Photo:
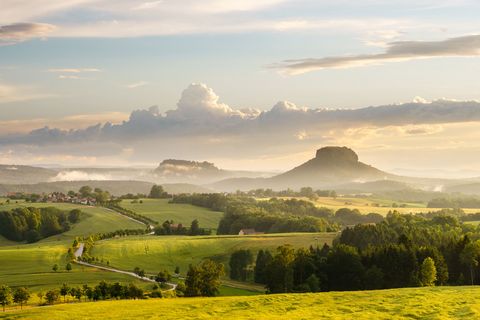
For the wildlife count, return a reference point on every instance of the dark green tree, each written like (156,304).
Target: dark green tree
(64,291)
(21,296)
(5,296)
(51,296)
(239,262)
(279,272)
(262,261)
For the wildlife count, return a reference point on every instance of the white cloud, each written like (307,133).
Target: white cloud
(137,84)
(201,126)
(465,46)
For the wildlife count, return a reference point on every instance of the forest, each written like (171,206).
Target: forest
(34,224)
(401,251)
(275,215)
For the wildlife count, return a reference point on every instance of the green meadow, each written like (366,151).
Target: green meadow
(154,253)
(409,303)
(160,210)
(96,219)
(30,265)
(380,206)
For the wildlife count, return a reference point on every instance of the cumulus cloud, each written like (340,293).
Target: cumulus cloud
(466,46)
(18,32)
(199,112)
(202,125)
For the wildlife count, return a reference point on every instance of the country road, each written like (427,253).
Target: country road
(128,273)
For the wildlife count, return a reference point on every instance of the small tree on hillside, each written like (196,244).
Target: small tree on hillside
(5,296)
(68,267)
(21,296)
(85,191)
(64,291)
(428,272)
(157,192)
(51,296)
(55,267)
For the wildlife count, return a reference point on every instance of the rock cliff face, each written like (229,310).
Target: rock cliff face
(184,171)
(330,165)
(335,154)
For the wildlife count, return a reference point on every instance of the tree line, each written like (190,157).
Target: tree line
(455,202)
(171,228)
(402,251)
(275,215)
(33,224)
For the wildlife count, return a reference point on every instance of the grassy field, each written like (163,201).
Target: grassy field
(154,253)
(160,210)
(381,206)
(409,303)
(31,265)
(97,220)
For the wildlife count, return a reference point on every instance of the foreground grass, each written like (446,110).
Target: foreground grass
(409,303)
(161,210)
(154,253)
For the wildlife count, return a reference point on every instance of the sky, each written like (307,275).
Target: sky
(253,85)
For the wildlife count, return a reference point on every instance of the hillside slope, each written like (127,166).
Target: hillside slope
(409,303)
(331,166)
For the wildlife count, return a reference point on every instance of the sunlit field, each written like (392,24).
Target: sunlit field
(409,303)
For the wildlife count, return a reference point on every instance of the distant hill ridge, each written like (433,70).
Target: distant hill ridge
(331,166)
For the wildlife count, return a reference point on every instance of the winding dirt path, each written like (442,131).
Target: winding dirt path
(79,252)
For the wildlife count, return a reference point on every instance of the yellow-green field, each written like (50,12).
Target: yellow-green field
(380,206)
(30,265)
(409,303)
(154,253)
(160,210)
(97,219)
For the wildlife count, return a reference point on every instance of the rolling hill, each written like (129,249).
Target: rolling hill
(332,166)
(408,303)
(116,188)
(13,174)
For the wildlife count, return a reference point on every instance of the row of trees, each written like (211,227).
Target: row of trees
(33,224)
(275,215)
(307,192)
(170,228)
(19,296)
(455,202)
(101,291)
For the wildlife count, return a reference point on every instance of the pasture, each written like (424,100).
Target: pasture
(30,265)
(96,220)
(407,303)
(154,253)
(160,210)
(380,206)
